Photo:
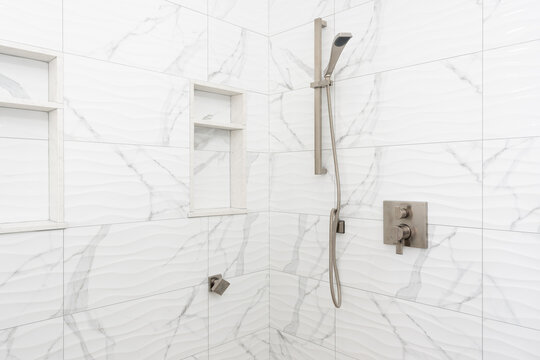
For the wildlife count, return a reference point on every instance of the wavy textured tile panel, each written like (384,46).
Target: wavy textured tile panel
(257,181)
(295,188)
(508,342)
(287,347)
(22,78)
(37,341)
(302,307)
(254,347)
(376,327)
(119,183)
(299,244)
(510,21)
(114,103)
(197,5)
(23,124)
(434,102)
(511,277)
(252,15)
(30,277)
(155,35)
(389,34)
(511,186)
(238,244)
(256,122)
(241,311)
(112,263)
(448,176)
(30,22)
(511,91)
(167,326)
(237,57)
(448,274)
(286,14)
(24,184)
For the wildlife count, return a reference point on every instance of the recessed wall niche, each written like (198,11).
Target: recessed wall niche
(31,139)
(218,183)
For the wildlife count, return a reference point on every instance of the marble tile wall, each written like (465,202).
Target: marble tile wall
(434,101)
(128,278)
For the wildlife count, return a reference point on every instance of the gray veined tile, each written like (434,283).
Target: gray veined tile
(389,34)
(107,183)
(242,310)
(155,35)
(211,179)
(511,277)
(252,15)
(210,139)
(448,274)
(511,187)
(286,347)
(394,329)
(24,124)
(114,103)
(448,176)
(299,244)
(508,342)
(112,263)
(257,181)
(434,102)
(302,307)
(22,78)
(238,57)
(286,14)
(167,326)
(38,341)
(30,279)
(256,122)
(238,244)
(197,5)
(508,22)
(253,346)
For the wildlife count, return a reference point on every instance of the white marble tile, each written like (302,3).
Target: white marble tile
(375,327)
(242,310)
(156,35)
(198,5)
(238,244)
(434,102)
(211,107)
(120,104)
(24,124)
(237,57)
(511,186)
(302,307)
(201,356)
(446,175)
(256,122)
(212,139)
(288,14)
(211,180)
(107,183)
(510,21)
(389,34)
(253,346)
(299,244)
(252,15)
(291,121)
(257,181)
(448,274)
(30,277)
(167,326)
(511,277)
(511,83)
(37,341)
(37,23)
(24,184)
(508,342)
(295,188)
(113,263)
(342,5)
(22,78)
(287,347)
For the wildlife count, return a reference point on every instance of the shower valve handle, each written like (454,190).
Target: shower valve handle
(401,233)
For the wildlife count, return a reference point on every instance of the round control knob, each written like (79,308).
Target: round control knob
(401,212)
(401,232)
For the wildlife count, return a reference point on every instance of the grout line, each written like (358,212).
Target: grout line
(482,194)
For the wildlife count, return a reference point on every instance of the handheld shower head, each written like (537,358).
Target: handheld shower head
(338,44)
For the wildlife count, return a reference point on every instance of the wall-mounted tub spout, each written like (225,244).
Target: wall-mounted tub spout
(217,284)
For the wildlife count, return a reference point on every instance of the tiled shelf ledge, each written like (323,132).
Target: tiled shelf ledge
(23,104)
(8,228)
(215,125)
(217,212)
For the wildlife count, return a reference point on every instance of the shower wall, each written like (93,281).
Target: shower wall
(128,278)
(435,101)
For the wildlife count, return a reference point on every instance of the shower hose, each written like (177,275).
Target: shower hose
(333,271)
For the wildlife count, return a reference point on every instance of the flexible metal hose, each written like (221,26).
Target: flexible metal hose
(333,271)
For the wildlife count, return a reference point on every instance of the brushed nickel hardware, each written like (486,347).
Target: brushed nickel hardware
(336,225)
(217,284)
(405,224)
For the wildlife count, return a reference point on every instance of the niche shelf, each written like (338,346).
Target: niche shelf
(217,150)
(52,105)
